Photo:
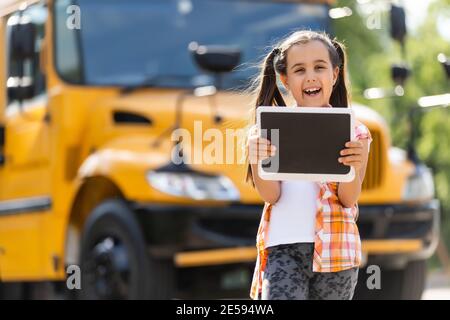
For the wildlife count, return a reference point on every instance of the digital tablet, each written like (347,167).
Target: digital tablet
(308,141)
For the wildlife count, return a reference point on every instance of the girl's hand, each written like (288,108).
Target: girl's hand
(258,147)
(353,155)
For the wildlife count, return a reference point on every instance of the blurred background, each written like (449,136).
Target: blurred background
(424,52)
(97,197)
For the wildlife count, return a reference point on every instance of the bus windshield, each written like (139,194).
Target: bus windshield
(123,43)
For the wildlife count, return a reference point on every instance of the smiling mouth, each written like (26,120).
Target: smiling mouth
(312,92)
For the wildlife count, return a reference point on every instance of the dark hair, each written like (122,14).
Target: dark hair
(265,86)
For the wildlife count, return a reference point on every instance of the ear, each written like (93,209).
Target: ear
(335,75)
(284,80)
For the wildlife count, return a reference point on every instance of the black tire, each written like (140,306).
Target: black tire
(403,284)
(414,280)
(13,291)
(114,260)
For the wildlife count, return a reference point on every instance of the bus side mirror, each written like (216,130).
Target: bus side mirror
(22,38)
(398,23)
(22,47)
(20,88)
(215,58)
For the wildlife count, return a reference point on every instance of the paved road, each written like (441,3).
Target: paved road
(438,287)
(436,294)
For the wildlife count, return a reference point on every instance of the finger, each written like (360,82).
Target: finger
(354,144)
(263,149)
(256,144)
(254,160)
(258,141)
(264,141)
(355,164)
(350,158)
(351,151)
(260,153)
(267,147)
(260,147)
(344,162)
(266,153)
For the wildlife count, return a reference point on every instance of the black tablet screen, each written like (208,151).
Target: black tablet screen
(308,142)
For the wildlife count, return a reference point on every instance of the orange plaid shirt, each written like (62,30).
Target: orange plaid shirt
(337,245)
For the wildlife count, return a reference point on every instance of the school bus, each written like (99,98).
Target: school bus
(91,92)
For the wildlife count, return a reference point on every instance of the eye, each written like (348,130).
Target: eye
(300,70)
(320,67)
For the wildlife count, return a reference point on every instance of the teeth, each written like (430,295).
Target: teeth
(312,90)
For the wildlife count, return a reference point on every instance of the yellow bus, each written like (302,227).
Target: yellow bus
(91,91)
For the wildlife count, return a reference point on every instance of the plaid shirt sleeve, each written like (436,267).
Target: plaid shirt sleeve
(362,132)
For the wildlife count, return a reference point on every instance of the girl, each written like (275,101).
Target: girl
(308,242)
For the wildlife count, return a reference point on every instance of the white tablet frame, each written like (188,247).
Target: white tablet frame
(307,176)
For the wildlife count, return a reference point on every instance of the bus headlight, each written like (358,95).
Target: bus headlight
(420,186)
(193,185)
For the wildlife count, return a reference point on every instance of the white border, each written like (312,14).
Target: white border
(307,176)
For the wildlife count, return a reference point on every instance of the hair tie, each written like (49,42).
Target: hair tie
(276,51)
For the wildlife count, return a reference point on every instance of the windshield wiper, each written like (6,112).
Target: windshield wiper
(185,81)
(155,80)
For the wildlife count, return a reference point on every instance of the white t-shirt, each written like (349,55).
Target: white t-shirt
(293,216)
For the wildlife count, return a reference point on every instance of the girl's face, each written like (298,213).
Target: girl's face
(310,75)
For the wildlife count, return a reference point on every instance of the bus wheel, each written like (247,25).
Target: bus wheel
(114,260)
(13,291)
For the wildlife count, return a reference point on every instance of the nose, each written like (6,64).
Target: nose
(310,77)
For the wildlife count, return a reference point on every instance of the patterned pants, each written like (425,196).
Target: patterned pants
(289,276)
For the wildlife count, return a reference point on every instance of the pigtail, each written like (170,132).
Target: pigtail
(340,96)
(268,91)
(267,94)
